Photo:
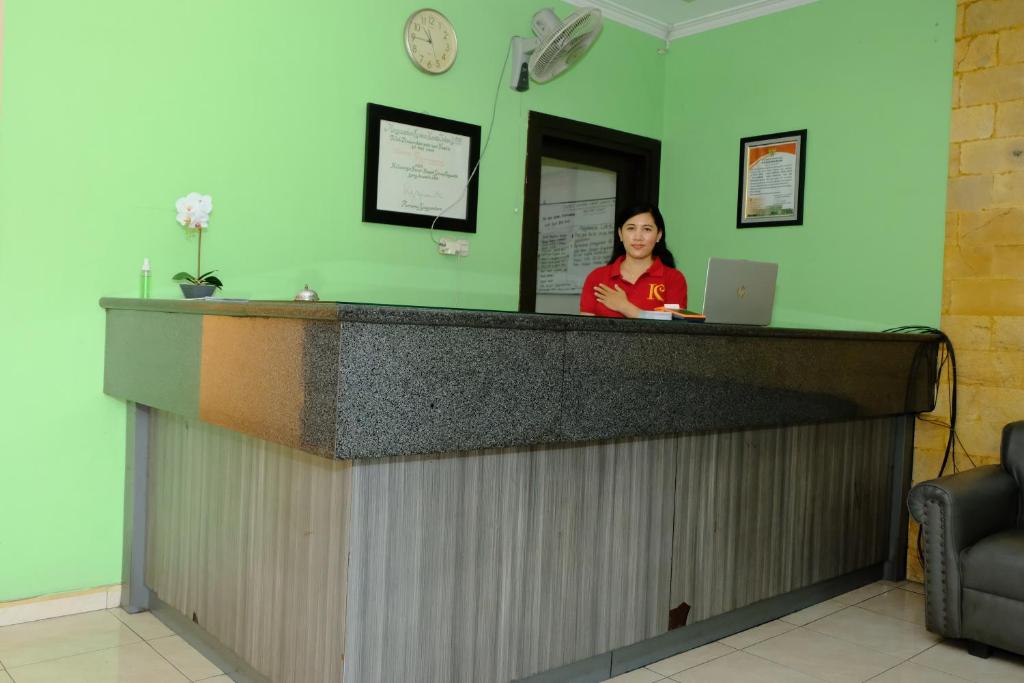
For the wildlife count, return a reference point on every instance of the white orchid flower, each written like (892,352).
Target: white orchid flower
(194,210)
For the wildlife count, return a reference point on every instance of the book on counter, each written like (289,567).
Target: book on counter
(657,314)
(677,313)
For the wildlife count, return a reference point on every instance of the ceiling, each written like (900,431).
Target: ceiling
(671,19)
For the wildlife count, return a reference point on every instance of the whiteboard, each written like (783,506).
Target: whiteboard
(422,171)
(576,226)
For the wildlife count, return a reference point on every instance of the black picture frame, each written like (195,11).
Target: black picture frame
(791,211)
(375,114)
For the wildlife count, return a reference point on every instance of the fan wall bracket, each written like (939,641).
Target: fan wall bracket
(522,48)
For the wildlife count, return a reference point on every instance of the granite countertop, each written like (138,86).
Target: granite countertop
(360,380)
(459,317)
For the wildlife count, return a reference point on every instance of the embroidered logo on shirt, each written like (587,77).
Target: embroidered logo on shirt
(656,293)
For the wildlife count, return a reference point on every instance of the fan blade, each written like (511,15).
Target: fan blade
(566,46)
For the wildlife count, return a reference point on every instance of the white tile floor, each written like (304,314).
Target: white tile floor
(873,633)
(106,646)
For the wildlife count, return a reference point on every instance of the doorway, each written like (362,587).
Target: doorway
(578,177)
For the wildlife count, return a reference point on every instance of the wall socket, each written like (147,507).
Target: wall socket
(452,247)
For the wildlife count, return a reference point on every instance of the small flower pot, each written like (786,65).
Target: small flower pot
(197,291)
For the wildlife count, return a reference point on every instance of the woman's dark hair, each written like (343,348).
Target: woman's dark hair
(660,249)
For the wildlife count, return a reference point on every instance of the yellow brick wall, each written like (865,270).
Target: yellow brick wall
(983,274)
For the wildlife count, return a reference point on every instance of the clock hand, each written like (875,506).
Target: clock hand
(430,40)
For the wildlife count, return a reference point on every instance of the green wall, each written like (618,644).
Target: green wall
(870,81)
(114,109)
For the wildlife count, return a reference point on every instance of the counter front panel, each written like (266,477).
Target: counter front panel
(350,381)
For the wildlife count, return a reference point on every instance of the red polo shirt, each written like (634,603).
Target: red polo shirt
(659,285)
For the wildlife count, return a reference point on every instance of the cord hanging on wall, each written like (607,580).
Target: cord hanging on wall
(947,362)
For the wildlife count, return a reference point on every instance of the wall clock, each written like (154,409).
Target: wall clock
(430,41)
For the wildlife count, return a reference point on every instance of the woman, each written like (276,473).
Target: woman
(641,274)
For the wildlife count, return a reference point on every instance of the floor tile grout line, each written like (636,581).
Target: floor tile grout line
(866,647)
(933,668)
(55,616)
(169,633)
(77,654)
(144,638)
(851,642)
(714,642)
(7,669)
(765,659)
(888,589)
(104,649)
(876,595)
(906,621)
(857,605)
(881,673)
(875,649)
(167,659)
(842,640)
(890,615)
(62,616)
(907,660)
(824,616)
(880,614)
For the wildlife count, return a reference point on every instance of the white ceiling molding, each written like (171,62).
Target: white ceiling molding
(753,10)
(628,17)
(621,13)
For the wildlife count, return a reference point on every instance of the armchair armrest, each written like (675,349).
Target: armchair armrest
(956,512)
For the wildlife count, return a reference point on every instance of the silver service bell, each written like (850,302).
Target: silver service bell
(307,294)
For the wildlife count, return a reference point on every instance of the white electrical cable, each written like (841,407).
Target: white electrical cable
(487,141)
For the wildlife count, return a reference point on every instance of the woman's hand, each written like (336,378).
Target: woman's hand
(616,300)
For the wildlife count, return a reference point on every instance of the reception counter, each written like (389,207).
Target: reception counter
(329,492)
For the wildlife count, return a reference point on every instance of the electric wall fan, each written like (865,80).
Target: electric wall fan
(558,45)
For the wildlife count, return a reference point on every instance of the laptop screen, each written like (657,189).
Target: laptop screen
(740,292)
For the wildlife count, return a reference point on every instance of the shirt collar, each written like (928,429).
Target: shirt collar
(656,269)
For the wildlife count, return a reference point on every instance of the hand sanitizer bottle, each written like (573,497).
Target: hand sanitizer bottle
(144,280)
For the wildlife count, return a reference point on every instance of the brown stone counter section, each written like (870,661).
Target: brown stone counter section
(250,377)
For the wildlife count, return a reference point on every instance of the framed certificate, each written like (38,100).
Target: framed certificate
(772,180)
(419,170)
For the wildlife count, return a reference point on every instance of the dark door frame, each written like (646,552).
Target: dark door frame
(553,136)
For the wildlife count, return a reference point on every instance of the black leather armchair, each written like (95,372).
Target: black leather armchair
(973,535)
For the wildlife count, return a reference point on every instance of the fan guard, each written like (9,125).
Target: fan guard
(566,45)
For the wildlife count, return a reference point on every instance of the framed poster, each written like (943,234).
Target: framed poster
(772,180)
(420,168)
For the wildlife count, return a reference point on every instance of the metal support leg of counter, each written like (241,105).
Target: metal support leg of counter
(533,563)
(134,594)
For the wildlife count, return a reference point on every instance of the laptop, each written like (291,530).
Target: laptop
(740,292)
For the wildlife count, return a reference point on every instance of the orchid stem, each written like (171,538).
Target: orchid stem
(199,254)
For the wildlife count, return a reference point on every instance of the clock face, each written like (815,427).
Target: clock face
(430,41)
